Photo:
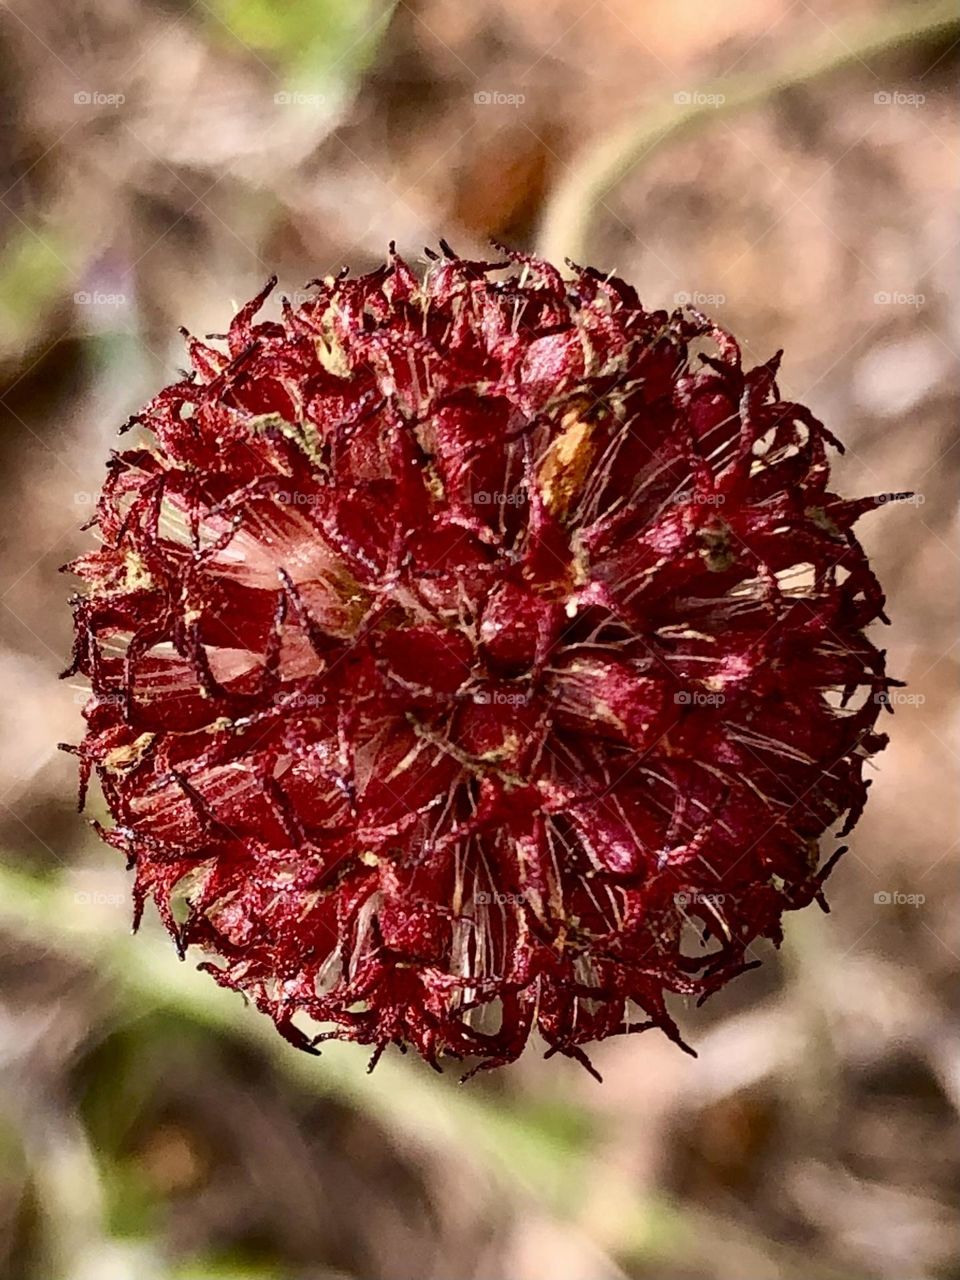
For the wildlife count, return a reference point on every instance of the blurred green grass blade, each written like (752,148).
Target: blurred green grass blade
(132,1208)
(33,272)
(227,1267)
(329,40)
(541,1149)
(542,1153)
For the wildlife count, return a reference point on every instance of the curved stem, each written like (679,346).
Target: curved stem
(589,179)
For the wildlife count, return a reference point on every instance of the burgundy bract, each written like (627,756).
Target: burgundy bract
(476,655)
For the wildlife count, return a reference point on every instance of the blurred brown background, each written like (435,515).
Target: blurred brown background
(789,167)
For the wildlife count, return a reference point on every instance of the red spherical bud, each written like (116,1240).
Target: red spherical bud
(459,642)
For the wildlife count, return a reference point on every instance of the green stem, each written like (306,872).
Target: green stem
(590,179)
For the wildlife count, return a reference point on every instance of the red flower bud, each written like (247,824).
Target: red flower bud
(458,643)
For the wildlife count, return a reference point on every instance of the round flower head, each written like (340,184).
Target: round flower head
(474,656)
